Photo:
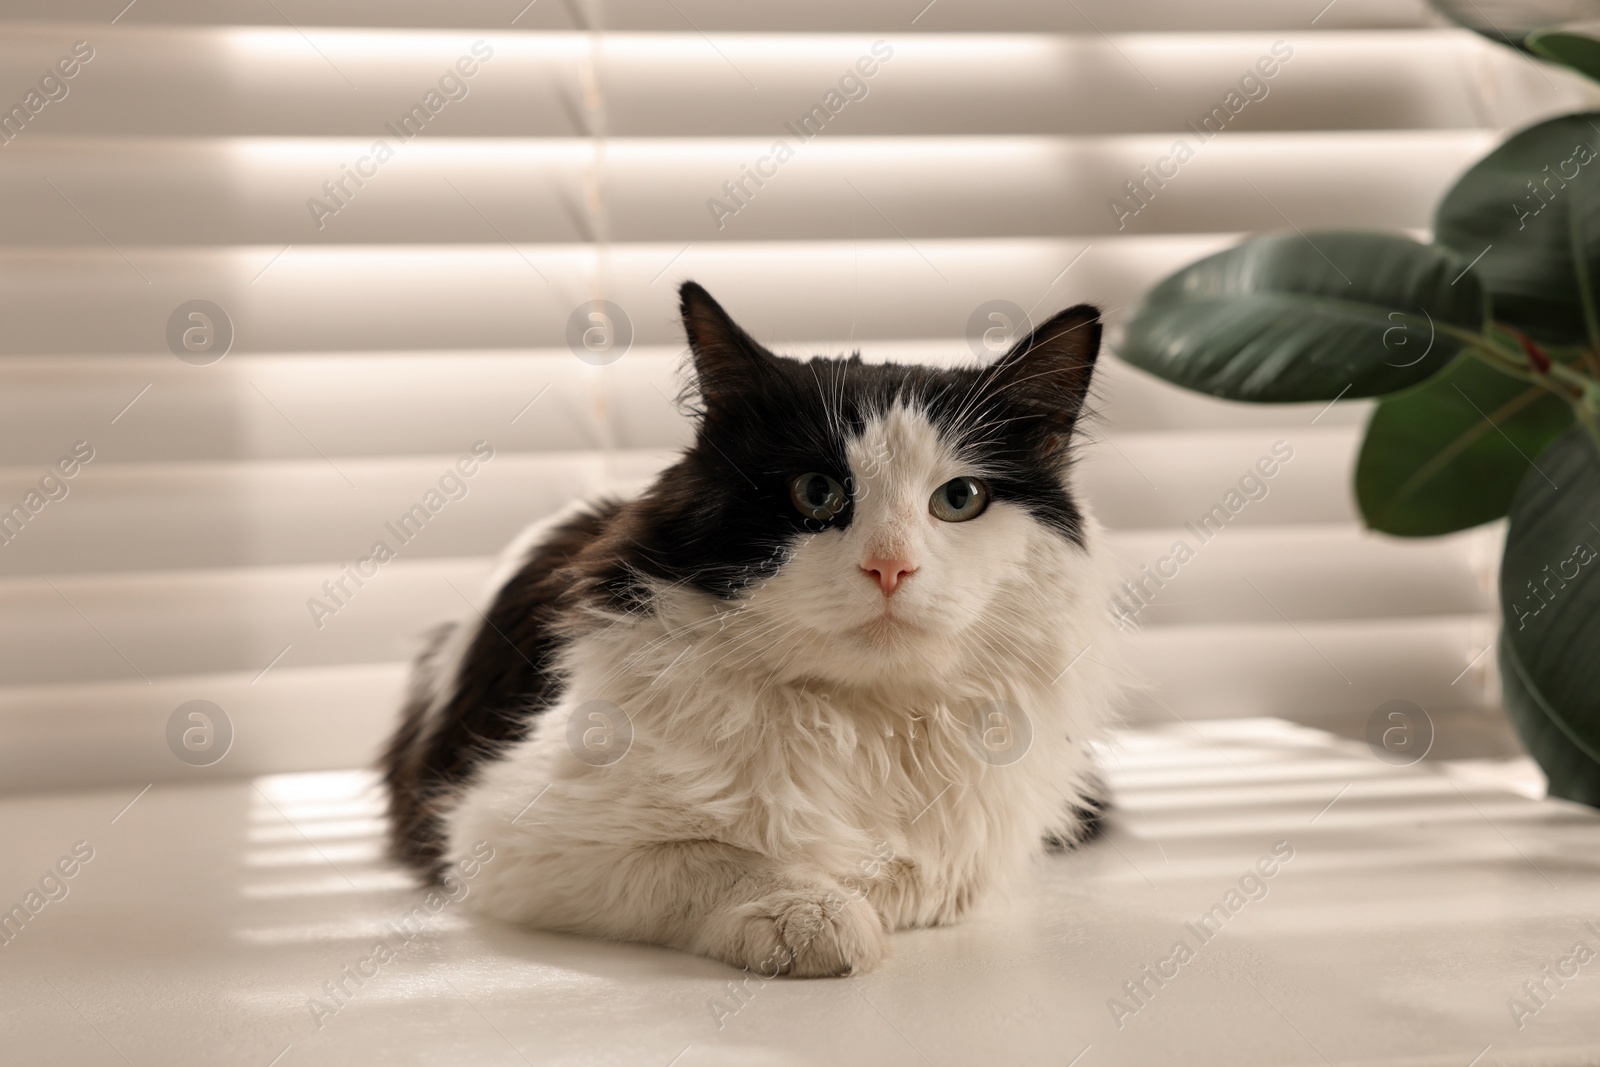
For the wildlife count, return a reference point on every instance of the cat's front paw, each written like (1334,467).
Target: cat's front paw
(806,933)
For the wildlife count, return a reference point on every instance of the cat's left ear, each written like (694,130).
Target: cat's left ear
(727,361)
(1050,369)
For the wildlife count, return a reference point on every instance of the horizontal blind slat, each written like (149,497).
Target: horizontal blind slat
(255,191)
(278,82)
(253,408)
(1033,16)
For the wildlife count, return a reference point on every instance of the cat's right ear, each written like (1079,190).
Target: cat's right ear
(727,361)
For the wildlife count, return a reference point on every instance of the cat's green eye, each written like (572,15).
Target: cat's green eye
(817,496)
(959,499)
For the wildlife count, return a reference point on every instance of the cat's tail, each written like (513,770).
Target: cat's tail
(1085,818)
(411,803)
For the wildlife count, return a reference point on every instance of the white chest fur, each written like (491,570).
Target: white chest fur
(923,789)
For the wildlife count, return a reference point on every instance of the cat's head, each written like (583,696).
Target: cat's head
(877,511)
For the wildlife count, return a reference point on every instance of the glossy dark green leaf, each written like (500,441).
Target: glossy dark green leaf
(1550,587)
(1572,773)
(1578,51)
(1529,213)
(1450,453)
(1509,21)
(1290,317)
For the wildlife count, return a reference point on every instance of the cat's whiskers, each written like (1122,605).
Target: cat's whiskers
(641,654)
(745,645)
(830,407)
(996,634)
(655,601)
(734,645)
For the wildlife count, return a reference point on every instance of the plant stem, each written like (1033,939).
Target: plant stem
(1485,349)
(1582,391)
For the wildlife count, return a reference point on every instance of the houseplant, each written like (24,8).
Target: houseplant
(1483,349)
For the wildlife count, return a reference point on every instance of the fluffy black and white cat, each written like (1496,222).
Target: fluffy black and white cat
(834,674)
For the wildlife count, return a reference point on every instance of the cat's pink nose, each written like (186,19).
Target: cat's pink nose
(889,573)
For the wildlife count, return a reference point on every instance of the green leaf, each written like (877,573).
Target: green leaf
(1531,210)
(1550,588)
(1569,48)
(1290,317)
(1449,454)
(1571,772)
(1510,21)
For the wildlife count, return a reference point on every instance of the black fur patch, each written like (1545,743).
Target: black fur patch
(505,679)
(1085,817)
(1088,821)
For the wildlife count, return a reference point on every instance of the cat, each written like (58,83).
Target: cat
(835,673)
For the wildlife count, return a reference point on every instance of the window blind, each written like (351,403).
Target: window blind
(287,282)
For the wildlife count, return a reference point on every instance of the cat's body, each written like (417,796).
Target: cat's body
(784,701)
